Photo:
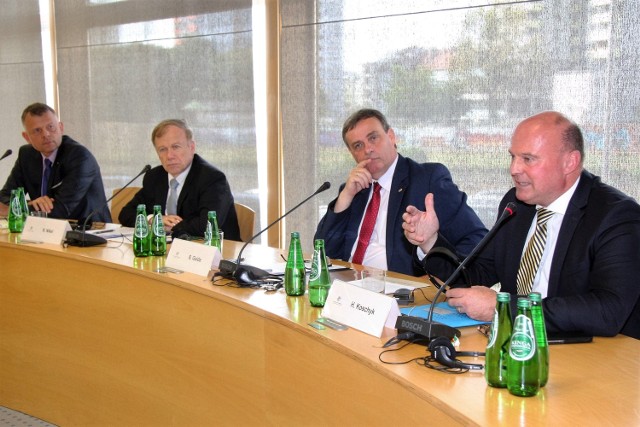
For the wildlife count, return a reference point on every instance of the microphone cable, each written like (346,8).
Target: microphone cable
(403,362)
(400,337)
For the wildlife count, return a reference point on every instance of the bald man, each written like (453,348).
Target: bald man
(588,273)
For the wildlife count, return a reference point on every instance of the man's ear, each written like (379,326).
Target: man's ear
(572,162)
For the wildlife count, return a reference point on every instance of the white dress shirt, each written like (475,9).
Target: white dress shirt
(376,254)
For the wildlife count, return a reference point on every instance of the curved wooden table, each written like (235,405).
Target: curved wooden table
(93,336)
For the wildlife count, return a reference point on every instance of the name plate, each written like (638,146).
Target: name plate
(44,230)
(361,309)
(193,257)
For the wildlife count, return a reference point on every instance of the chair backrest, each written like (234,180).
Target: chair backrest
(246,221)
(119,201)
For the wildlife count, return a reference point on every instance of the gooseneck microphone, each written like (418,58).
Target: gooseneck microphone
(508,212)
(430,329)
(81,238)
(246,275)
(6,153)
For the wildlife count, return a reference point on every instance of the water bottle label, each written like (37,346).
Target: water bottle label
(208,233)
(142,228)
(315,267)
(523,340)
(16,208)
(494,329)
(158,227)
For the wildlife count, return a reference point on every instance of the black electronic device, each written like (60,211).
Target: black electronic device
(246,275)
(403,296)
(568,338)
(443,352)
(80,237)
(423,328)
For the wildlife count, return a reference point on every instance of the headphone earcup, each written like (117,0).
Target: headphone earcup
(445,353)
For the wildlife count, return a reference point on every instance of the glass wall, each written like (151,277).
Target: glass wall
(454,77)
(21,73)
(124,66)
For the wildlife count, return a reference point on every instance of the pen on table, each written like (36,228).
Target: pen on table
(104,231)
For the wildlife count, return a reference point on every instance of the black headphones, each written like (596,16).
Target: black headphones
(443,352)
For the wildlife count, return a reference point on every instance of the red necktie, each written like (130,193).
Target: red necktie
(368,224)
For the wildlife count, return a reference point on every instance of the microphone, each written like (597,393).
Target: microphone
(433,330)
(248,275)
(81,238)
(6,154)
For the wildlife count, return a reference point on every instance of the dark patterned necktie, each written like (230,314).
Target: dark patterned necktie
(46,174)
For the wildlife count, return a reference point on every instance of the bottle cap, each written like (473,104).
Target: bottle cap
(535,296)
(524,303)
(504,297)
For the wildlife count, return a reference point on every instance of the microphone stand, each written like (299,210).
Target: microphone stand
(248,275)
(430,329)
(81,238)
(444,330)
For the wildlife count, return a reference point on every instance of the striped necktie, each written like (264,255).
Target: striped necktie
(533,254)
(368,225)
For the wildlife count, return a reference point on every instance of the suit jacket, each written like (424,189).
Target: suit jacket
(205,189)
(75,183)
(411,182)
(593,283)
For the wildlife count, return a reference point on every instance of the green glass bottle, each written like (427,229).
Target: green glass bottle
(141,235)
(158,235)
(537,315)
(212,232)
(319,279)
(523,367)
(294,272)
(497,352)
(16,219)
(23,203)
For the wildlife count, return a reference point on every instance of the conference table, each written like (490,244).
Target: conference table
(95,336)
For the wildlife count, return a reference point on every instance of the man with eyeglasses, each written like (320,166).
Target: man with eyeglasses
(185,185)
(60,176)
(364,223)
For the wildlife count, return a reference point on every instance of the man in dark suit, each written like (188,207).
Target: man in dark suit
(372,143)
(60,176)
(200,187)
(590,264)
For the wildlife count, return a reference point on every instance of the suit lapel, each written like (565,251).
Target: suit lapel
(517,239)
(188,182)
(162,189)
(398,189)
(572,218)
(56,169)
